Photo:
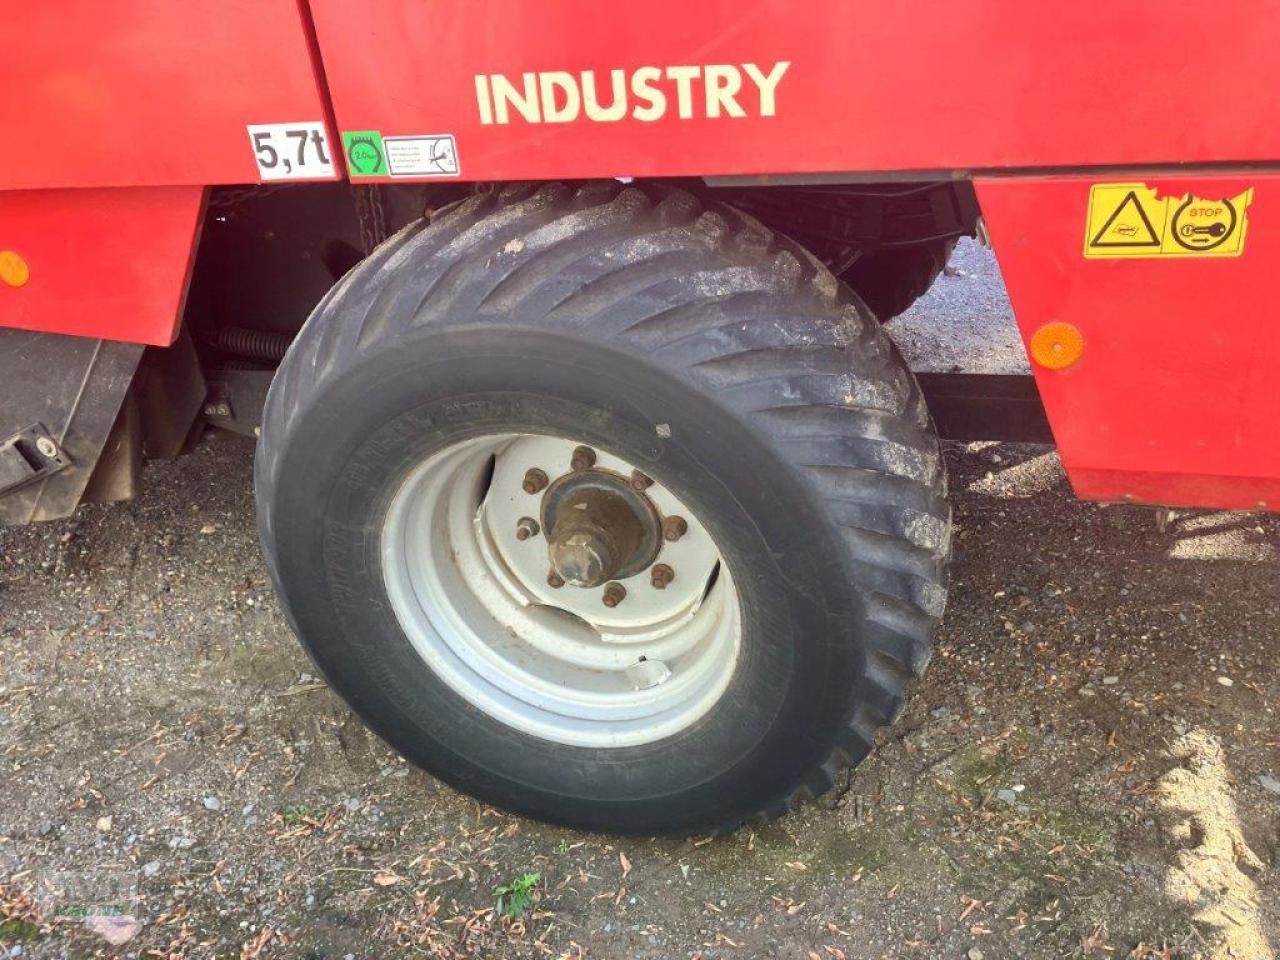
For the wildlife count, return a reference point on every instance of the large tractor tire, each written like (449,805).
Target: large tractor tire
(606,506)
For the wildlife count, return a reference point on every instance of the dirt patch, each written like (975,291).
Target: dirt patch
(1075,777)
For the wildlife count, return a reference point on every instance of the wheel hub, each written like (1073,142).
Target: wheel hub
(600,529)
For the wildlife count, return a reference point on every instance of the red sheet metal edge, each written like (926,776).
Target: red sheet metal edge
(1175,397)
(110,263)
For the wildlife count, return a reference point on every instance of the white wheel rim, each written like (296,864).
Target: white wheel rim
(555,663)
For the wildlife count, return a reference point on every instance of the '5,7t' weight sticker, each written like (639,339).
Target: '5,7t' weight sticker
(292,151)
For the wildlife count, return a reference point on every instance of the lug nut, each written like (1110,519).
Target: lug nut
(526,527)
(554,580)
(661,575)
(640,482)
(614,594)
(673,528)
(534,480)
(584,458)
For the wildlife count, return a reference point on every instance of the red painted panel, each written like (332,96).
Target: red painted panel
(872,85)
(1175,399)
(109,263)
(147,92)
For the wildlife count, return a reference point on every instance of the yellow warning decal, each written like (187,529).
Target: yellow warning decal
(1130,220)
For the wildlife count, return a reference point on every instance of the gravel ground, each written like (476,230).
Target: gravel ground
(1089,768)
(964,323)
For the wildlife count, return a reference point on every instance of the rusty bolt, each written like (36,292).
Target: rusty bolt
(526,527)
(640,482)
(673,528)
(534,480)
(584,458)
(614,594)
(661,575)
(554,580)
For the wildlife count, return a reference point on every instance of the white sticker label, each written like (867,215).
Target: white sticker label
(292,151)
(426,156)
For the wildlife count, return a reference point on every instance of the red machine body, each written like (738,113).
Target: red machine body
(154,94)
(870,86)
(152,101)
(116,124)
(1173,399)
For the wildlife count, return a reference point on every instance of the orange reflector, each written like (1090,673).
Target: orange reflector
(13,269)
(1057,345)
